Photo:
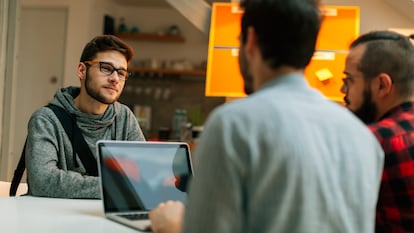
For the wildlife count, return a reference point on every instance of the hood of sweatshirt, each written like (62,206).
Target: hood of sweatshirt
(64,98)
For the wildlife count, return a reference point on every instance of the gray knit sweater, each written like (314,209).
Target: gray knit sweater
(51,170)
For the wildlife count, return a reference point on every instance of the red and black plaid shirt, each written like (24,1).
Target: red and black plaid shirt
(395,132)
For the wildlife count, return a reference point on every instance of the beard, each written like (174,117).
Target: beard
(244,70)
(368,110)
(94,93)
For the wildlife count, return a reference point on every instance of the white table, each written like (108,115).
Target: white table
(28,214)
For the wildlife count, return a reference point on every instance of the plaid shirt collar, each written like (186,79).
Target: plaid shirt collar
(397,110)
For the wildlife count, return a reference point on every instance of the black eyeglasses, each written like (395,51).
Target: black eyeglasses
(107,69)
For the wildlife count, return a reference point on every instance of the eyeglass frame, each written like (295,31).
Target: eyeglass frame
(90,63)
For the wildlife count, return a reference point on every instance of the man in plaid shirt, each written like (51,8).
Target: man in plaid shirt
(379,89)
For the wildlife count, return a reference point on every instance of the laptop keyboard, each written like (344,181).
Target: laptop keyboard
(134,216)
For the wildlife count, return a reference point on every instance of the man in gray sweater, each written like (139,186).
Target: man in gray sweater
(53,170)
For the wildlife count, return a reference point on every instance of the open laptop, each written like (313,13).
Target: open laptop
(136,176)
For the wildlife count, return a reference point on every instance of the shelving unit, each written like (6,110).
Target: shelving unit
(151,37)
(194,72)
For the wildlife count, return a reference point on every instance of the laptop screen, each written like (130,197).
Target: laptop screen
(139,175)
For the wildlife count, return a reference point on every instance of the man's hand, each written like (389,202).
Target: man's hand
(167,217)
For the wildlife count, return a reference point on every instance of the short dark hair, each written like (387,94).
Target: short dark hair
(286,29)
(106,43)
(388,52)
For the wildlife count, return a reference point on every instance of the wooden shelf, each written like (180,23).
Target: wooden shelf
(150,37)
(194,72)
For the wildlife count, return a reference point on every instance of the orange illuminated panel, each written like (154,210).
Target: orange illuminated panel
(325,73)
(339,28)
(223,75)
(225,23)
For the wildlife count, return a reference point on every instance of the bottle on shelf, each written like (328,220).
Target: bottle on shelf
(179,120)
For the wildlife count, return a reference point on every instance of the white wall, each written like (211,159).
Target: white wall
(375,14)
(8,14)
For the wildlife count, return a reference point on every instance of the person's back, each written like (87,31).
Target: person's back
(285,160)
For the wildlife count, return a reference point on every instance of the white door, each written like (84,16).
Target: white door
(40,66)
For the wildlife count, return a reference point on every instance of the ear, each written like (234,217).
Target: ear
(251,41)
(384,85)
(81,70)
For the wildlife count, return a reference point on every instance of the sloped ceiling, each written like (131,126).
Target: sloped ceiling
(197,12)
(155,3)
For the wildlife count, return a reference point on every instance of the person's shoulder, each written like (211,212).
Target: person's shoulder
(237,112)
(43,111)
(391,127)
(235,107)
(43,116)
(380,125)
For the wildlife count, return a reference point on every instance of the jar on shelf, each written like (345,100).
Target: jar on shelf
(122,26)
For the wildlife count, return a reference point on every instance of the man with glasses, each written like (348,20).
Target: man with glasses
(379,89)
(53,168)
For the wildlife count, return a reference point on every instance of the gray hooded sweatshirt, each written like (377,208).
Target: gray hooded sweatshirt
(51,169)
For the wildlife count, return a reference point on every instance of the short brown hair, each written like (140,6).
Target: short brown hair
(106,43)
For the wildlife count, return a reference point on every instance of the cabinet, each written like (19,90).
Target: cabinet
(339,28)
(223,76)
(152,37)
